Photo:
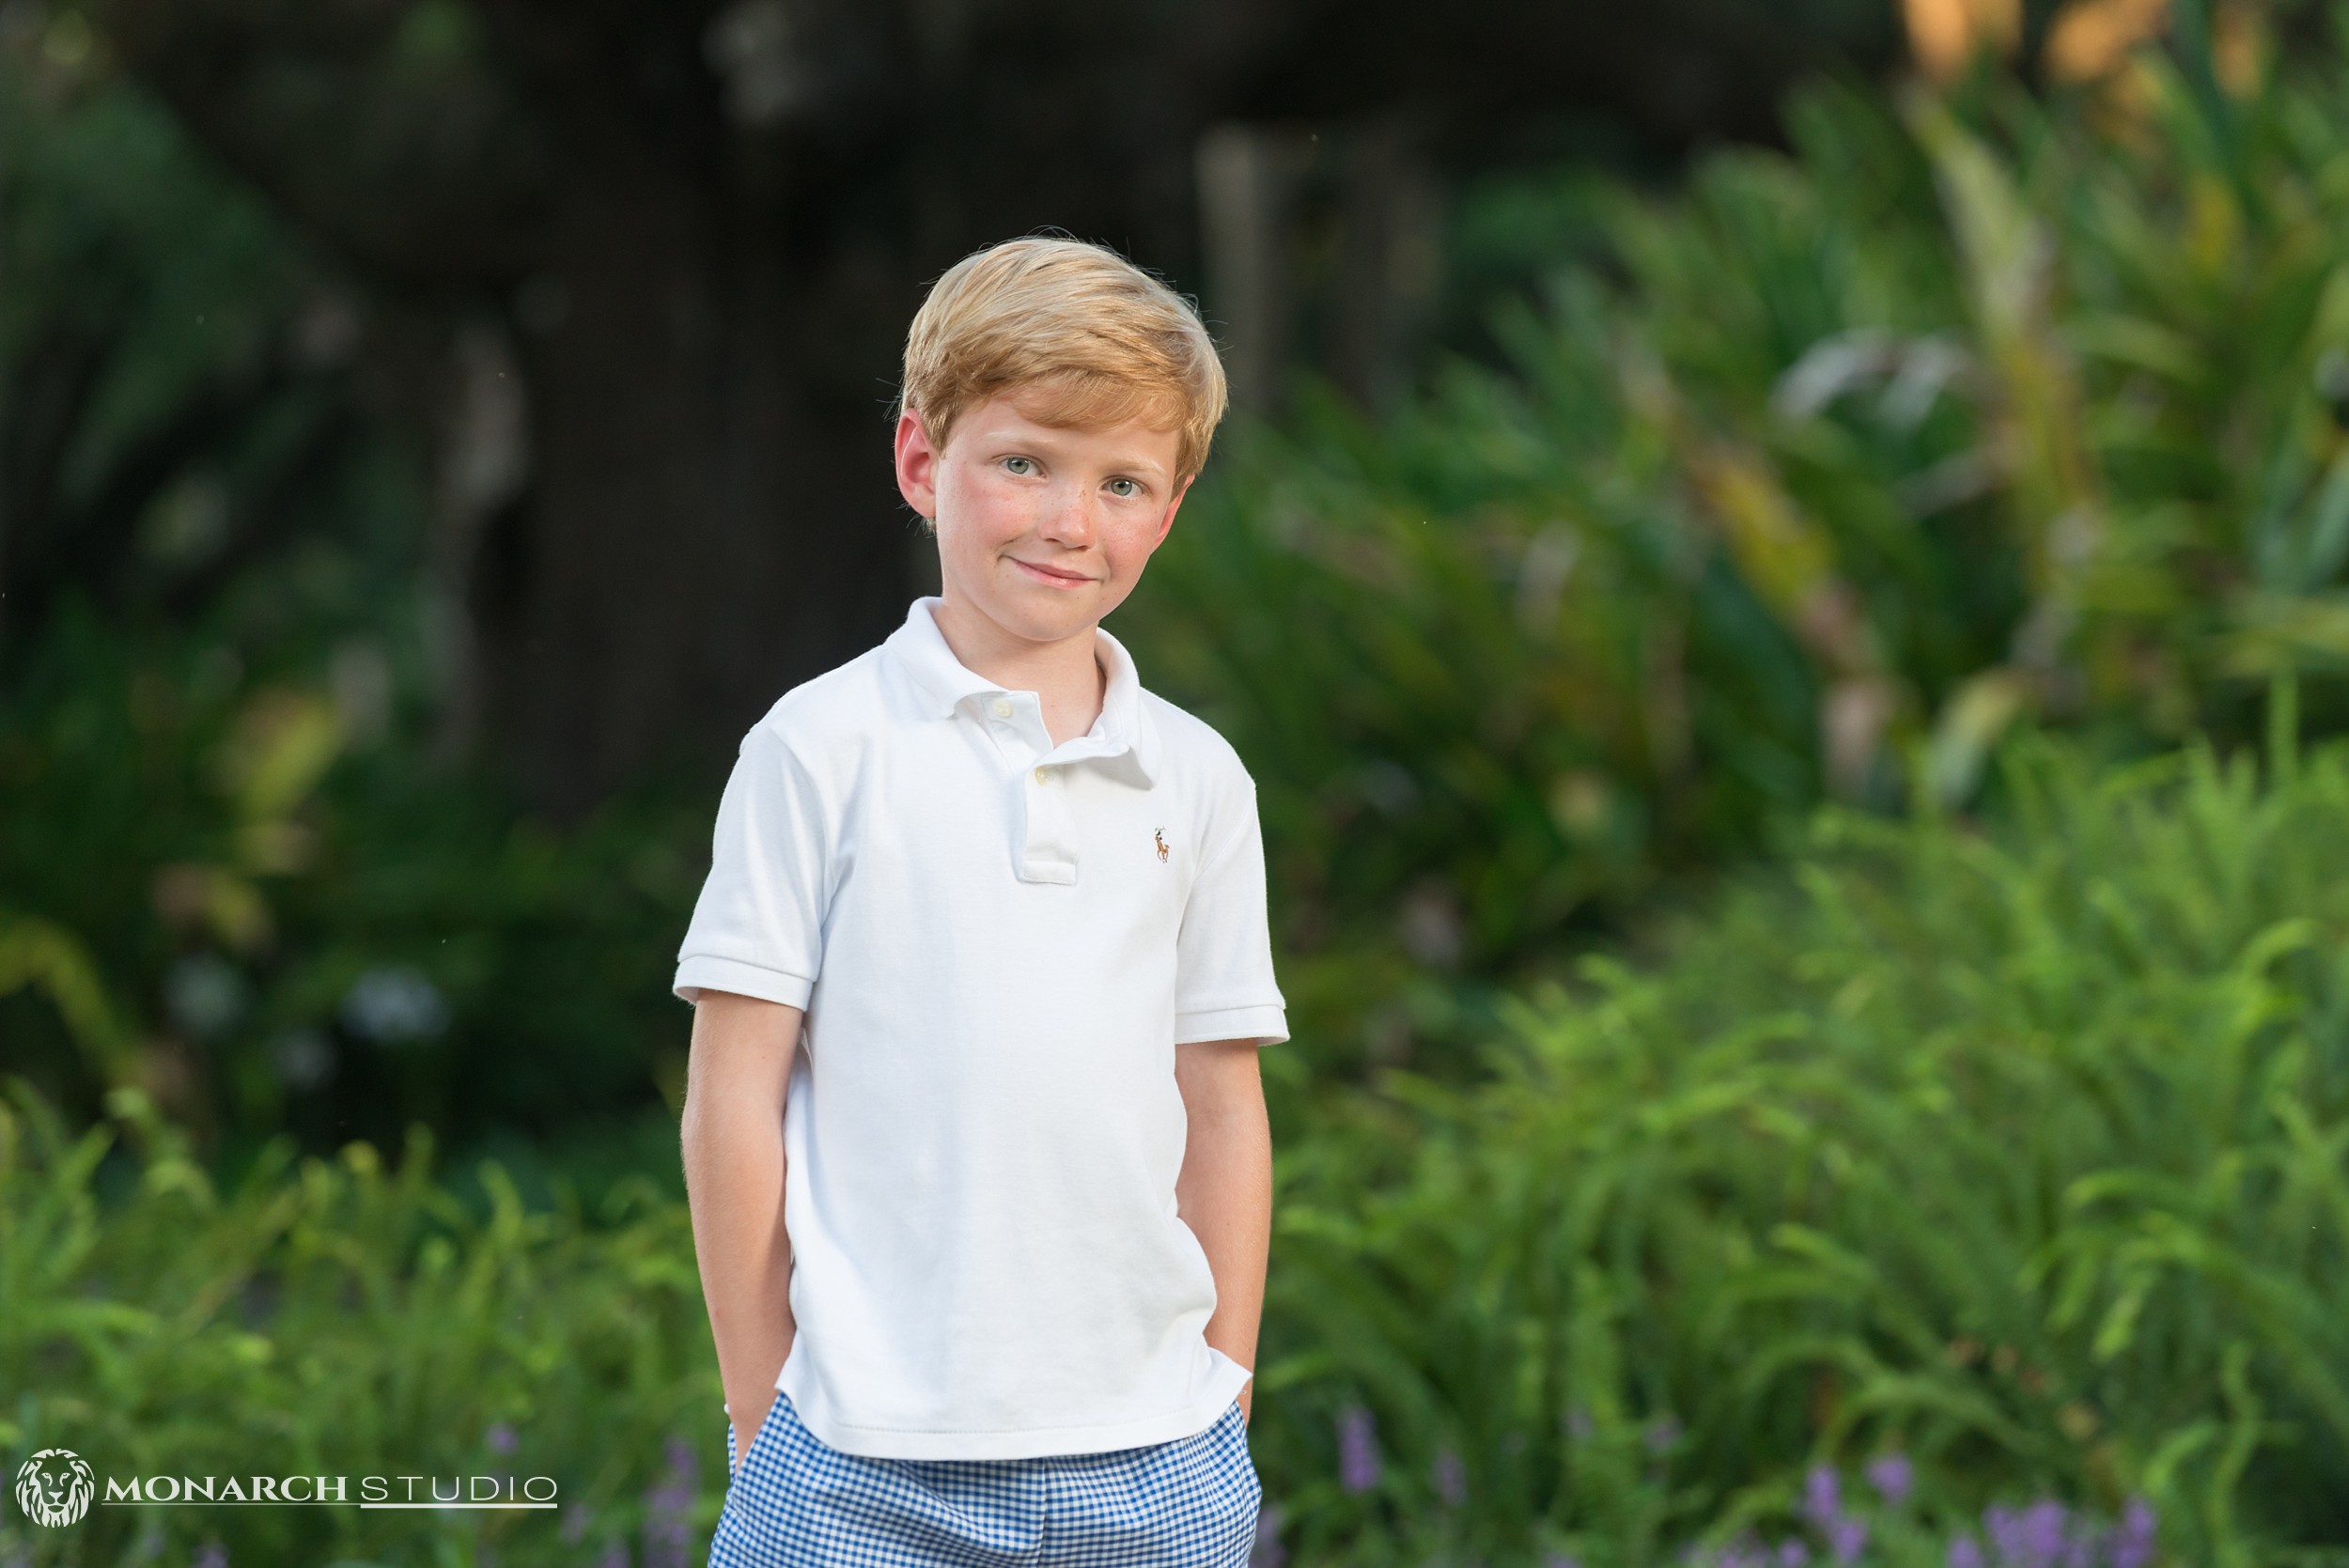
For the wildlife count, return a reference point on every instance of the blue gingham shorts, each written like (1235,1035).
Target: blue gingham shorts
(797,1502)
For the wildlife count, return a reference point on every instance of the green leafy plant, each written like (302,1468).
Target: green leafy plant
(1835,465)
(239,869)
(2024,1155)
(219,890)
(344,1317)
(2018,1155)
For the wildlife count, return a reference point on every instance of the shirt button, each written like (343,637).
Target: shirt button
(1039,775)
(999,707)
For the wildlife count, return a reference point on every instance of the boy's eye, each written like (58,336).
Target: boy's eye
(1022,466)
(1124,490)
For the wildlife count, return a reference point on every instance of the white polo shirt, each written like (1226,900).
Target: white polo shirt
(999,942)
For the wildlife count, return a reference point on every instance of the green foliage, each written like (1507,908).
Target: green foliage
(233,870)
(178,426)
(1832,466)
(343,1318)
(221,888)
(2024,1154)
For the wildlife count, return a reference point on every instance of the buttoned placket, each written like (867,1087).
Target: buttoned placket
(1048,837)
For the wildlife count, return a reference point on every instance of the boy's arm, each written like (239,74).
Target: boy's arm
(1225,1189)
(736,1082)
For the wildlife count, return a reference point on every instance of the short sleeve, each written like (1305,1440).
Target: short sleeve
(758,928)
(1224,984)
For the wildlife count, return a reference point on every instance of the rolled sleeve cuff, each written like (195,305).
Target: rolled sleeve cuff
(1267,1026)
(703,972)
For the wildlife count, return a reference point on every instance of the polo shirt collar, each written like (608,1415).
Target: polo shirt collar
(1123,735)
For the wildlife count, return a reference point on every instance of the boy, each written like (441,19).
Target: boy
(974,1134)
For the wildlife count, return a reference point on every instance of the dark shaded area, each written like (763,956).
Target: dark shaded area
(696,233)
(429,433)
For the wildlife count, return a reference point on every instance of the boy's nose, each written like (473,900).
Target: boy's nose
(1072,520)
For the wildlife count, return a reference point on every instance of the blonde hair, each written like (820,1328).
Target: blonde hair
(1079,335)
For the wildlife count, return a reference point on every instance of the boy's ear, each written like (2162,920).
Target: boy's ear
(1167,522)
(917,465)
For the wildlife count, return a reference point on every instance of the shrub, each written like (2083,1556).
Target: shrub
(2018,1158)
(1835,464)
(2025,1157)
(348,1317)
(282,922)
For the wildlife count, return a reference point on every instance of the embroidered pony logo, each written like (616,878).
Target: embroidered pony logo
(1158,836)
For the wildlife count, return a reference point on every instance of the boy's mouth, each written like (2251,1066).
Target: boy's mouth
(1049,577)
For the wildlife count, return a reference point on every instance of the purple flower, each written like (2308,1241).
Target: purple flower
(1894,1477)
(669,1511)
(2032,1538)
(1965,1552)
(1358,1450)
(1822,1496)
(1579,1424)
(2044,1530)
(2004,1528)
(501,1438)
(1792,1553)
(1451,1478)
(2133,1543)
(1847,1538)
(1661,1434)
(211,1554)
(614,1555)
(1744,1552)
(1267,1551)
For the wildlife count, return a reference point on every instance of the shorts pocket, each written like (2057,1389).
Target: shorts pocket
(768,1434)
(1234,1425)
(1244,1459)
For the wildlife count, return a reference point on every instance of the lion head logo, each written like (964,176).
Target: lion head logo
(54,1488)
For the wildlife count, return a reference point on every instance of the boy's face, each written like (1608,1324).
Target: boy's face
(1042,531)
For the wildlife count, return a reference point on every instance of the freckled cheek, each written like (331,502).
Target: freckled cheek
(987,518)
(1128,545)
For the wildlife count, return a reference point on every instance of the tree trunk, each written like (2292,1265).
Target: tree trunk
(704,526)
(709,222)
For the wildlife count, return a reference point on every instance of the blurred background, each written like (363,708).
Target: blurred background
(1779,566)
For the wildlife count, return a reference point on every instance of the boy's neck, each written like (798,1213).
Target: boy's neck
(1066,675)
